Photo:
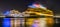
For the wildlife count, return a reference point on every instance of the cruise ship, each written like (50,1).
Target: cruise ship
(35,16)
(39,13)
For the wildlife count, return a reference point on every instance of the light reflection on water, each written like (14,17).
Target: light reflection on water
(6,22)
(20,22)
(12,22)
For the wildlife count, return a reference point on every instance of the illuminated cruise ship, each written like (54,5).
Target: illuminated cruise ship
(35,16)
(38,12)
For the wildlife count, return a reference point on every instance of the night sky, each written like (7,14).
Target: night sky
(21,5)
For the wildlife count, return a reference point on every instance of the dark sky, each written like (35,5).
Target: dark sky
(21,5)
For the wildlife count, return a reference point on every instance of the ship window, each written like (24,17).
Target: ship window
(42,16)
(49,17)
(37,16)
(32,14)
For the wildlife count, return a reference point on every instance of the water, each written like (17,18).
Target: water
(6,22)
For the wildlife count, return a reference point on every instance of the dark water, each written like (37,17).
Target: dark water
(5,25)
(57,24)
(1,19)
